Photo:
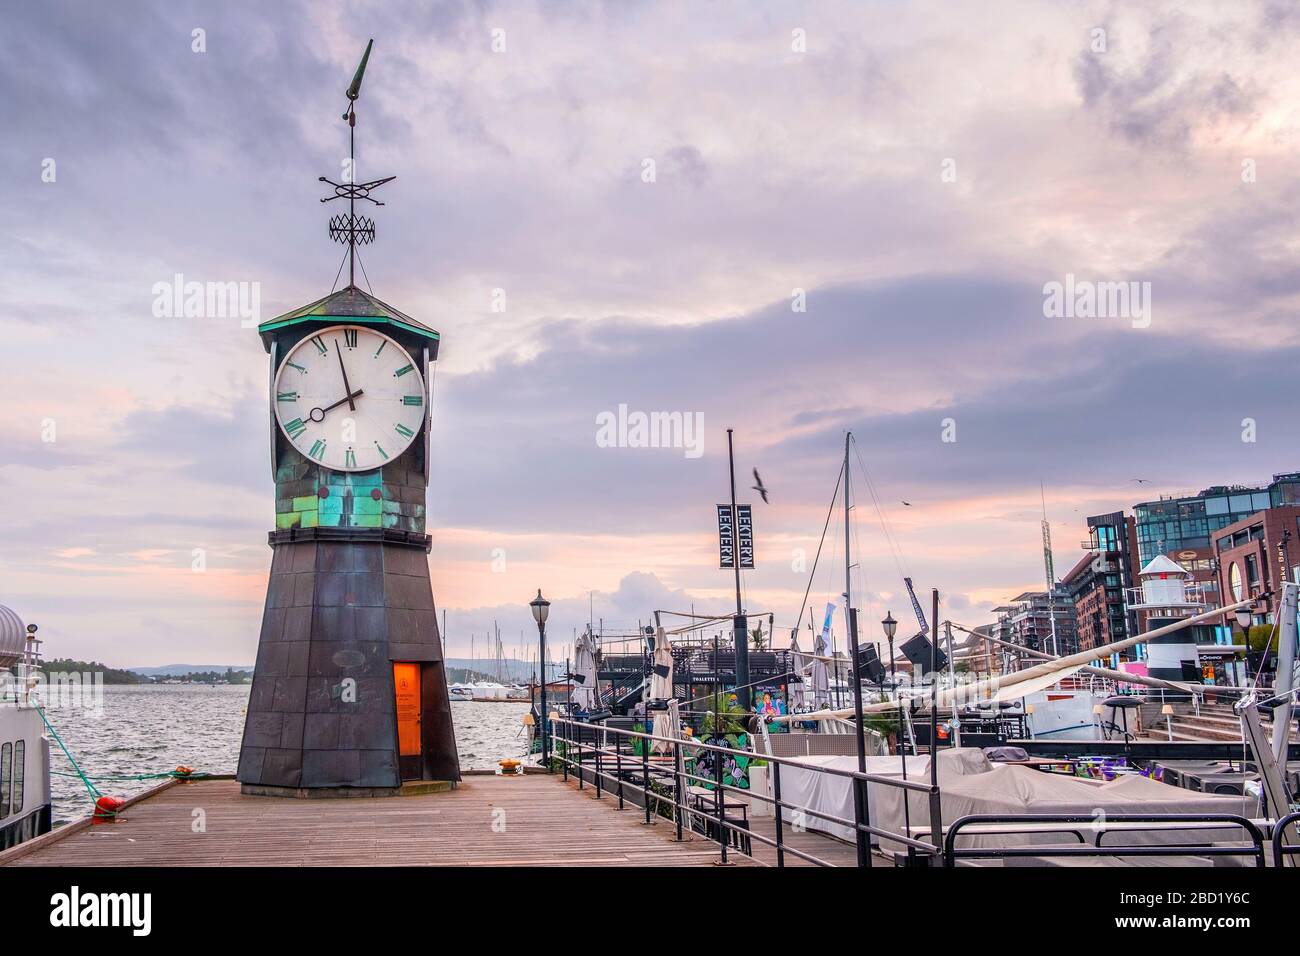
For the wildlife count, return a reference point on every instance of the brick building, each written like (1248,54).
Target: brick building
(1252,554)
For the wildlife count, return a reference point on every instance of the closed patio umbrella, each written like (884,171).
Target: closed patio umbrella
(661,688)
(799,697)
(584,673)
(821,685)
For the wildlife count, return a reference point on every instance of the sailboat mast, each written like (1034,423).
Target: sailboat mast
(851,620)
(848,564)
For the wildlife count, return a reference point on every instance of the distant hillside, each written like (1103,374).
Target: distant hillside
(463,675)
(64,665)
(178,670)
(510,670)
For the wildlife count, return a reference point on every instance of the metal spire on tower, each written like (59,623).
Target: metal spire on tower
(351,228)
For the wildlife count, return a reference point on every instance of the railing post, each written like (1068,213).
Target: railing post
(645,777)
(580,784)
(600,745)
(780,824)
(618,767)
(936,819)
(717,805)
(860,819)
(680,810)
(568,750)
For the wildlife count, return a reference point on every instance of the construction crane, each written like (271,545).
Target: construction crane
(1049,569)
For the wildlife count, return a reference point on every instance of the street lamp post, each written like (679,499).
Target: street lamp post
(1244,617)
(890,626)
(541,607)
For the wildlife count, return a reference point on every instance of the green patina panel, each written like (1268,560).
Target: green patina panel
(349,500)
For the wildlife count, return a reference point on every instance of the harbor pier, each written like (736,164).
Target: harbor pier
(533,819)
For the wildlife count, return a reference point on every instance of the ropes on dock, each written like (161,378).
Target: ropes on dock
(108,806)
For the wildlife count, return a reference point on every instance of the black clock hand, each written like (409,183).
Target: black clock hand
(346,387)
(348,399)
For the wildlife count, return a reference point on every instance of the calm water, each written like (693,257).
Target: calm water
(153,728)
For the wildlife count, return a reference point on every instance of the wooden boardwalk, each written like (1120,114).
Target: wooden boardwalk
(531,820)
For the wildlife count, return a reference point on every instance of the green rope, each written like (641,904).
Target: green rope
(136,776)
(94,791)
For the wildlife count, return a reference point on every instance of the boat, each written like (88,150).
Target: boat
(489,692)
(25,806)
(459,691)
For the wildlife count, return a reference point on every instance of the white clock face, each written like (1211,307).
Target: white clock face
(349,398)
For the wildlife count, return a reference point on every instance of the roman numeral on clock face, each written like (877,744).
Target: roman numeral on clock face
(403,370)
(350,459)
(320,345)
(350,338)
(412,399)
(295,427)
(317,450)
(403,430)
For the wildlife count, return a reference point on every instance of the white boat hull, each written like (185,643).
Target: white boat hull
(25,810)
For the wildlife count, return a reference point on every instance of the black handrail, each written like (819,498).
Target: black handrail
(622,687)
(565,728)
(1281,849)
(952,852)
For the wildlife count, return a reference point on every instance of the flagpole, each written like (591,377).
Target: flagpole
(740,627)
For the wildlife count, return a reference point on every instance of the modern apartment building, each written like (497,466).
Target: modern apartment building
(1182,527)
(1029,620)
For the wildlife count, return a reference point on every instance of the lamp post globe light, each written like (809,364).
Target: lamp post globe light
(890,626)
(541,607)
(1245,615)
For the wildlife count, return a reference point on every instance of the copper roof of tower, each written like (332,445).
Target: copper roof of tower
(350,303)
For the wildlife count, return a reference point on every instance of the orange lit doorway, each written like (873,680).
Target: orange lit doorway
(406,685)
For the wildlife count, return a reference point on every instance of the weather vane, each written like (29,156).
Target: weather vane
(351,228)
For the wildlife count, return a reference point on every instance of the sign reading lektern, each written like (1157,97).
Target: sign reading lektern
(726,539)
(735,534)
(745,536)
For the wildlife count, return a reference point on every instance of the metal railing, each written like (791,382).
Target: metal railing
(586,750)
(1282,850)
(632,681)
(1023,824)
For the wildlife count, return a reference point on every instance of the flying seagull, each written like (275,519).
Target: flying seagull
(758,486)
(1140,481)
(908,503)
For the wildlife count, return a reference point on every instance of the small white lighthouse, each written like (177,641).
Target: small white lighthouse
(1167,594)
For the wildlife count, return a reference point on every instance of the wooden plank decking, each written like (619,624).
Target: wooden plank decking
(540,821)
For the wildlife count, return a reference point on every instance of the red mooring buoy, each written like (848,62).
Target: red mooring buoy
(106,808)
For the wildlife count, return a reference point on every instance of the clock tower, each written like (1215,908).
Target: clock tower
(349,693)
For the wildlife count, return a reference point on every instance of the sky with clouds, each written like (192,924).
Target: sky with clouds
(919,170)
